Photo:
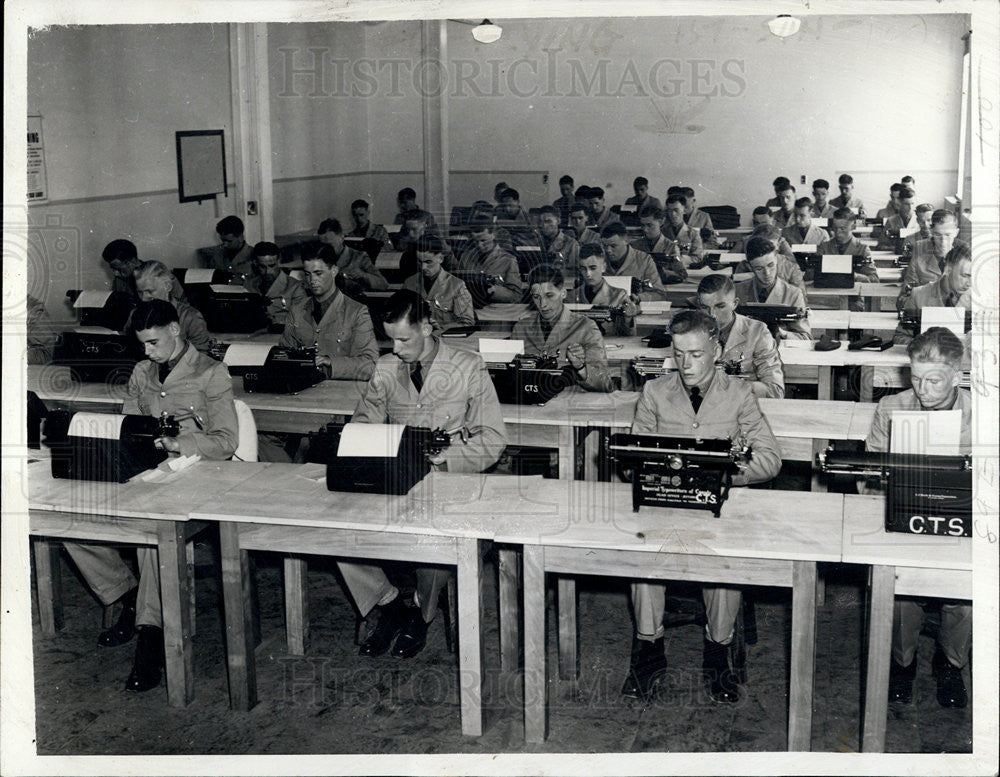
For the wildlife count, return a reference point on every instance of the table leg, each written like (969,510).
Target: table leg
(175,603)
(800,695)
(568,642)
(296,606)
(470,634)
(48,583)
(867,388)
(879,648)
(824,382)
(567,452)
(817,484)
(508,574)
(192,604)
(535,686)
(236,603)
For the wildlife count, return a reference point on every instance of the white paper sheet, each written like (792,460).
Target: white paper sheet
(528,248)
(820,221)
(837,263)
(623,282)
(731,258)
(907,231)
(656,306)
(936,432)
(246,354)
(102,426)
(949,318)
(703,272)
(223,288)
(94,330)
(91,298)
(576,307)
(494,350)
(804,248)
(198,275)
(370,440)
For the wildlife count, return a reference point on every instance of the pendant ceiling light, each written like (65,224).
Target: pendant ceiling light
(784,25)
(487,32)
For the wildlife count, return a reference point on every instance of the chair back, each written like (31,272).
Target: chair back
(246,447)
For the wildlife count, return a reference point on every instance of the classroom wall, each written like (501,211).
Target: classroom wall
(111,98)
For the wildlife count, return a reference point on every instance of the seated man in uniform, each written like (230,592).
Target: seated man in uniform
(624,260)
(424,382)
(416,226)
(600,216)
(927,262)
(844,242)
(685,240)
(558,331)
(176,379)
(448,298)
(363,225)
(596,291)
(642,198)
(698,220)
(579,217)
(784,214)
(744,340)
(355,268)
(154,281)
(777,184)
(233,253)
(925,214)
(847,198)
(801,231)
(935,372)
(406,203)
(891,207)
(767,287)
(697,401)
(665,252)
(558,248)
(821,208)
(763,225)
(951,290)
(566,198)
(485,256)
(41,336)
(788,268)
(268,279)
(902,219)
(509,212)
(123,259)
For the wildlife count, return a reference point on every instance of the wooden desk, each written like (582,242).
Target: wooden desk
(906,564)
(285,510)
(139,513)
(802,353)
(768,538)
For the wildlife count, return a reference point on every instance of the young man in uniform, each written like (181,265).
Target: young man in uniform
(892,206)
(406,204)
(579,217)
(509,212)
(424,382)
(935,372)
(847,199)
(927,262)
(600,215)
(697,219)
(355,268)
(558,248)
(801,230)
(665,252)
(843,241)
(624,260)
(788,268)
(485,256)
(233,253)
(558,331)
(952,289)
(268,279)
(902,219)
(766,287)
(176,379)
(566,198)
(447,296)
(821,208)
(777,184)
(642,198)
(363,225)
(122,257)
(594,290)
(415,226)
(153,280)
(697,401)
(685,240)
(784,214)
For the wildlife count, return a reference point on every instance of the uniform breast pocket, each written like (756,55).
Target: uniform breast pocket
(450,414)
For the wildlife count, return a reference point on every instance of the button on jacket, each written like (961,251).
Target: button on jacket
(344,334)
(241,264)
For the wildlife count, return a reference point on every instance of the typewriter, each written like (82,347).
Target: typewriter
(478,284)
(223,300)
(529,380)
(600,313)
(905,256)
(109,310)
(96,355)
(105,446)
(925,494)
(911,320)
(270,369)
(395,474)
(772,315)
(366,245)
(646,368)
(678,471)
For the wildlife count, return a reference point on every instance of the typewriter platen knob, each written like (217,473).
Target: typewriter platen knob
(675,461)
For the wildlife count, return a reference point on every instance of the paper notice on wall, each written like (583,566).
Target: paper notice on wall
(246,354)
(836,263)
(103,426)
(370,440)
(91,298)
(38,186)
(926,432)
(949,318)
(623,282)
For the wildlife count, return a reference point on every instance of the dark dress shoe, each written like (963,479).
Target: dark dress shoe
(413,637)
(950,686)
(391,618)
(149,660)
(720,680)
(124,629)
(646,668)
(901,681)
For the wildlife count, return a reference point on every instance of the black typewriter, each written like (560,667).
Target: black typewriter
(603,313)
(680,472)
(646,368)
(88,446)
(773,316)
(112,314)
(529,379)
(911,321)
(366,245)
(925,494)
(905,256)
(226,305)
(377,474)
(97,357)
(479,284)
(286,371)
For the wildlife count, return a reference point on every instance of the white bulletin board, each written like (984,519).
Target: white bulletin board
(201,165)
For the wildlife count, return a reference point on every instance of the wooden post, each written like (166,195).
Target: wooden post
(508,578)
(48,582)
(879,647)
(175,600)
(800,696)
(535,686)
(470,634)
(296,606)
(239,638)
(568,634)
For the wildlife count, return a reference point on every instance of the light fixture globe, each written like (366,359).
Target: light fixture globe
(487,32)
(784,25)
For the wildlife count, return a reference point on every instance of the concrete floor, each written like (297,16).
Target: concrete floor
(333,701)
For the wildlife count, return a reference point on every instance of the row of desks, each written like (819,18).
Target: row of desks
(565,528)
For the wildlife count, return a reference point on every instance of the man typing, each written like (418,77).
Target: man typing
(596,291)
(268,279)
(766,287)
(447,297)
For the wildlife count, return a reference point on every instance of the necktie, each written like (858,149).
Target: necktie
(317,310)
(164,370)
(696,398)
(952,299)
(416,376)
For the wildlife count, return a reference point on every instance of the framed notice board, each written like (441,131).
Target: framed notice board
(201,165)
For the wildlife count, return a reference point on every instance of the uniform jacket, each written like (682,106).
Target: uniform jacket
(774,235)
(930,295)
(192,323)
(701,222)
(673,269)
(570,329)
(127,286)
(588,236)
(607,296)
(878,435)
(782,219)
(199,386)
(781,294)
(241,264)
(788,271)
(729,410)
(649,200)
(839,202)
(457,392)
(686,235)
(448,299)
(496,262)
(639,264)
(866,273)
(814,235)
(888,237)
(344,334)
(562,252)
(751,344)
(924,265)
(826,212)
(357,266)
(373,230)
(283,292)
(606,217)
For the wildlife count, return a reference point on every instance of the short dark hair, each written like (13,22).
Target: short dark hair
(716,282)
(674,198)
(360,204)
(582,192)
(691,320)
(230,225)
(845,178)
(803,202)
(785,187)
(958,253)
(613,229)
(264,248)
(418,215)
(906,193)
(821,183)
(119,250)
(406,193)
(330,225)
(595,191)
(430,244)
(547,210)
(513,194)
(925,207)
(546,273)
(937,344)
(566,179)
(406,305)
(154,313)
(591,249)
(895,187)
(675,190)
(843,214)
(652,211)
(941,215)
(499,188)
(687,191)
(640,181)
(481,224)
(321,252)
(758,246)
(761,210)
(577,206)
(779,181)
(907,179)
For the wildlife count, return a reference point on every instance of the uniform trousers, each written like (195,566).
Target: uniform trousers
(954,636)
(368,585)
(110,578)
(722,605)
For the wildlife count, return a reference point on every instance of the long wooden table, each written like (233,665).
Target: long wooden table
(905,564)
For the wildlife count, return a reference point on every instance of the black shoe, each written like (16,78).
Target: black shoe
(392,616)
(901,681)
(950,686)
(124,629)
(149,660)
(719,678)
(413,637)
(646,668)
